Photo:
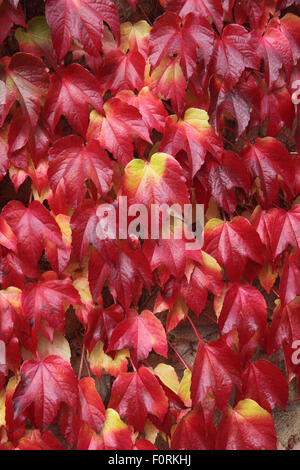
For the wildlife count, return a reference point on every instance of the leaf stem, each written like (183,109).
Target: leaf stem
(223,214)
(81,362)
(87,365)
(177,353)
(237,136)
(210,318)
(193,326)
(133,366)
(275,292)
(289,138)
(84,355)
(230,143)
(145,14)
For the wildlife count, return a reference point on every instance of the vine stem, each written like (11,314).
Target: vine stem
(145,14)
(87,365)
(259,73)
(223,214)
(230,143)
(133,366)
(275,292)
(84,355)
(177,353)
(289,138)
(235,133)
(292,400)
(210,318)
(193,326)
(81,362)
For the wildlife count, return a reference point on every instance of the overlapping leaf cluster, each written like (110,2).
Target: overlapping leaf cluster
(198,107)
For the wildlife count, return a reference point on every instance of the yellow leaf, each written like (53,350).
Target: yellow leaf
(184,391)
(99,360)
(168,376)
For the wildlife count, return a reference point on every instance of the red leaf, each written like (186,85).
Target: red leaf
(244,308)
(3,365)
(206,8)
(122,71)
(115,435)
(47,299)
(125,276)
(238,101)
(246,427)
(45,384)
(202,276)
(34,440)
(193,134)
(159,181)
(285,327)
(191,432)
(32,225)
(168,81)
(264,383)
(285,230)
(88,439)
(91,405)
(278,107)
(143,444)
(81,20)
(289,286)
(232,243)
(278,229)
(101,324)
(279,47)
(15,427)
(286,3)
(12,271)
(22,140)
(4,163)
(7,237)
(173,253)
(7,317)
(258,12)
(224,178)
(150,107)
(263,222)
(135,395)
(170,35)
(70,93)
(215,369)
(74,163)
(84,231)
(140,333)
(115,130)
(267,159)
(9,15)
(59,257)
(27,81)
(70,422)
(234,51)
